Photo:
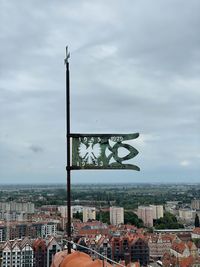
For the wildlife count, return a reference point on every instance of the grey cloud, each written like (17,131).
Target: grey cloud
(134,67)
(36,149)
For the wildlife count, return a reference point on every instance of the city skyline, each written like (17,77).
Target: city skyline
(134,68)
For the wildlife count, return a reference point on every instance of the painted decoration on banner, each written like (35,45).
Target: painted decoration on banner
(103,151)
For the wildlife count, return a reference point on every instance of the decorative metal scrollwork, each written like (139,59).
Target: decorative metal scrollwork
(103,151)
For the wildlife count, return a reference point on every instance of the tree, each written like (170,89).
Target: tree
(196,221)
(132,218)
(169,221)
(78,215)
(103,216)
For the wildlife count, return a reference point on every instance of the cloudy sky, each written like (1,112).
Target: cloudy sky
(134,66)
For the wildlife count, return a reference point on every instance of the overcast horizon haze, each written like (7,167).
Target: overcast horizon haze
(134,67)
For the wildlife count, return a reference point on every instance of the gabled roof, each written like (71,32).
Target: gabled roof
(179,247)
(191,245)
(26,241)
(16,244)
(39,243)
(138,239)
(51,240)
(186,262)
(7,244)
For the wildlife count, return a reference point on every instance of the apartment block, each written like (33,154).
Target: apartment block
(195,204)
(12,206)
(157,211)
(13,230)
(89,213)
(146,214)
(116,215)
(187,214)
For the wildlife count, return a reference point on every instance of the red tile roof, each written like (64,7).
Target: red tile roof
(191,244)
(186,262)
(179,247)
(196,230)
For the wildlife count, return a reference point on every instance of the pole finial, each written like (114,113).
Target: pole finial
(67,55)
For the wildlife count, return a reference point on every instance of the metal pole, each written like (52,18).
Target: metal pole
(68,150)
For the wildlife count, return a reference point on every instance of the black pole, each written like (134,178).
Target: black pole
(68,151)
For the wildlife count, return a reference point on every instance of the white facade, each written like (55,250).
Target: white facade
(195,204)
(63,211)
(48,230)
(19,254)
(27,256)
(52,248)
(187,214)
(116,215)
(158,246)
(27,207)
(146,214)
(76,209)
(1,235)
(157,211)
(89,213)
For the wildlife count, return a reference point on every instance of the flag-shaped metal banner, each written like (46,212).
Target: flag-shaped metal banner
(103,151)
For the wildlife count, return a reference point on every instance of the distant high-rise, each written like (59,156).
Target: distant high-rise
(157,211)
(63,211)
(195,204)
(116,215)
(12,206)
(146,214)
(89,213)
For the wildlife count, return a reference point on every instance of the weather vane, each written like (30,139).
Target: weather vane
(101,151)
(94,151)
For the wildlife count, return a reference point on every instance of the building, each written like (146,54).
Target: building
(131,248)
(172,207)
(28,253)
(139,251)
(90,228)
(17,253)
(77,208)
(63,211)
(16,230)
(146,214)
(52,248)
(12,206)
(40,252)
(104,247)
(159,245)
(157,211)
(195,204)
(48,229)
(187,215)
(89,213)
(2,232)
(196,233)
(116,215)
(74,210)
(179,249)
